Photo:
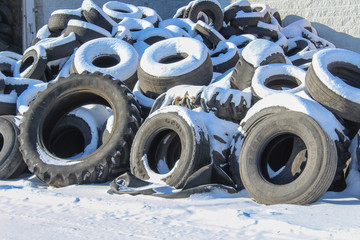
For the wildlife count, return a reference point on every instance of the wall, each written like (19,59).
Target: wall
(337,20)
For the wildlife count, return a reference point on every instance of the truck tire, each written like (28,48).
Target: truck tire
(169,146)
(109,160)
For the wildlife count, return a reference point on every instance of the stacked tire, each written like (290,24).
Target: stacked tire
(114,89)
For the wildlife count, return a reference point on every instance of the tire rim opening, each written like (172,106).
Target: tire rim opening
(121,10)
(300,45)
(164,151)
(27,63)
(347,72)
(67,143)
(282,82)
(154,39)
(174,58)
(106,61)
(283,159)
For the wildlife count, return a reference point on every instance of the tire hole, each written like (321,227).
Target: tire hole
(174,58)
(164,151)
(282,82)
(1,142)
(27,63)
(106,61)
(283,159)
(67,143)
(154,39)
(349,73)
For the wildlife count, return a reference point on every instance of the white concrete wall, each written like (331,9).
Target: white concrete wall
(336,20)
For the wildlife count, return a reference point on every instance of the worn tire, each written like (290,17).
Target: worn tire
(211,9)
(59,19)
(85,31)
(335,83)
(314,178)
(95,15)
(11,161)
(118,10)
(179,68)
(109,160)
(224,57)
(32,64)
(174,137)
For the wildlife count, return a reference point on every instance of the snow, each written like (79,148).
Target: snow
(141,98)
(258,50)
(11,55)
(196,51)
(111,8)
(29,95)
(227,51)
(149,14)
(87,25)
(89,5)
(264,9)
(101,47)
(241,3)
(135,24)
(183,23)
(322,61)
(263,73)
(74,12)
(78,212)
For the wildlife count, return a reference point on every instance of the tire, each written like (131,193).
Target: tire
(259,52)
(95,15)
(11,55)
(135,25)
(230,31)
(149,36)
(310,182)
(231,10)
(42,34)
(160,73)
(85,31)
(26,97)
(32,64)
(60,47)
(118,10)
(150,15)
(18,85)
(106,59)
(7,66)
(109,160)
(59,19)
(276,78)
(242,41)
(74,136)
(10,157)
(171,135)
(297,46)
(122,33)
(211,9)
(210,36)
(334,83)
(180,12)
(8,104)
(183,23)
(224,57)
(260,12)
(2,85)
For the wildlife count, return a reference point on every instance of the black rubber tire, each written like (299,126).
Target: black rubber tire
(343,106)
(249,19)
(262,32)
(70,136)
(119,59)
(186,144)
(86,32)
(7,66)
(231,57)
(61,47)
(231,11)
(34,61)
(11,161)
(152,86)
(210,36)
(244,71)
(109,160)
(211,9)
(229,31)
(7,108)
(314,179)
(59,19)
(6,15)
(2,86)
(118,10)
(95,15)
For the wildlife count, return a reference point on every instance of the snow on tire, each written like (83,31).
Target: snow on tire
(208,11)
(95,15)
(277,77)
(333,81)
(173,62)
(85,31)
(118,10)
(111,56)
(11,161)
(260,12)
(257,53)
(109,160)
(224,56)
(169,146)
(311,179)
(59,19)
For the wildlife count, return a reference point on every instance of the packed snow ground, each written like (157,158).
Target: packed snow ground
(32,210)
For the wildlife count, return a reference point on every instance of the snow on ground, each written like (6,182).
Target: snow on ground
(32,210)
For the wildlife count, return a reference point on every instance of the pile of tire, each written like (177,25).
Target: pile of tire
(104,91)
